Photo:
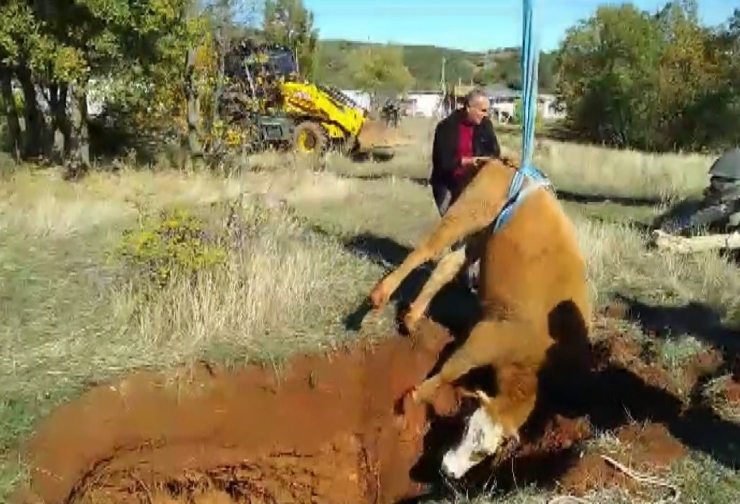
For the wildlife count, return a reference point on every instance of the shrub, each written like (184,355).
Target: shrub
(174,243)
(238,280)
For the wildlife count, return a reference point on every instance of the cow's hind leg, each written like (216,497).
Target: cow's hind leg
(491,342)
(515,399)
(471,213)
(449,266)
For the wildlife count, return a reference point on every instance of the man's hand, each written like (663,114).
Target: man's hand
(474,162)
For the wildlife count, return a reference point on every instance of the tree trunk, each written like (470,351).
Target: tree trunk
(191,94)
(79,159)
(11,114)
(60,120)
(34,117)
(221,47)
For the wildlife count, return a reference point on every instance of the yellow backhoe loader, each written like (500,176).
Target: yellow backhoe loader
(294,113)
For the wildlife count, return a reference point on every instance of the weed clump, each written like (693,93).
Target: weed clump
(174,243)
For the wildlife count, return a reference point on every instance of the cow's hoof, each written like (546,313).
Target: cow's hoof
(425,391)
(407,402)
(411,321)
(378,298)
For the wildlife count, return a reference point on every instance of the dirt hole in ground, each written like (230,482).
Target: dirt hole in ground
(328,430)
(324,430)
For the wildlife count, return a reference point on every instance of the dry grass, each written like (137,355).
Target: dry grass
(70,314)
(619,263)
(580,169)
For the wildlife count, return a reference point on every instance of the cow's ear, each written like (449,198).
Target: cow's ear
(484,398)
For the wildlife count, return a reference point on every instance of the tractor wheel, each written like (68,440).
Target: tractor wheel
(310,138)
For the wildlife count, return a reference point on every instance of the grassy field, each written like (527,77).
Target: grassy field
(72,310)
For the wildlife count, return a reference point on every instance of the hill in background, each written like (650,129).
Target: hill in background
(498,66)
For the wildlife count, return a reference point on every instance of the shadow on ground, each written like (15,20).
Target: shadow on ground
(664,323)
(454,307)
(696,319)
(575,197)
(378,156)
(564,195)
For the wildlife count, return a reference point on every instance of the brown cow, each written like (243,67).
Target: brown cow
(533,291)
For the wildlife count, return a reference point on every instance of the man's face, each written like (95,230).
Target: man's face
(478,109)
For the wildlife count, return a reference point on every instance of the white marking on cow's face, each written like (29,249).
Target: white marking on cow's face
(482,438)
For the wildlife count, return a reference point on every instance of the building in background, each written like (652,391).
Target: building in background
(502,102)
(431,103)
(504,99)
(425,103)
(416,103)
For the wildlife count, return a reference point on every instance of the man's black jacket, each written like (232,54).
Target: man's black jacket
(444,150)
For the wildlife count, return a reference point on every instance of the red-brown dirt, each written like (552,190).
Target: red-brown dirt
(377,134)
(324,432)
(647,448)
(702,364)
(728,391)
(327,430)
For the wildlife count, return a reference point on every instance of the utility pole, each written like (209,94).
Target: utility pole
(443,85)
(444,80)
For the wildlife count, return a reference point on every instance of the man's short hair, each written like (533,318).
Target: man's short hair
(473,95)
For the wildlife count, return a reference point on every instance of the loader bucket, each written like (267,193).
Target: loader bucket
(375,135)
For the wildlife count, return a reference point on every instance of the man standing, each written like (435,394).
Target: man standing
(462,142)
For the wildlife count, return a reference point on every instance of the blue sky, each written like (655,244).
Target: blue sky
(473,25)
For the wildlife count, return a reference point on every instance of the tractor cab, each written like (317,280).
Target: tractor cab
(259,64)
(253,94)
(281,63)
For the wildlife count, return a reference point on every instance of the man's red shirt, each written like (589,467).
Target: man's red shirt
(464,146)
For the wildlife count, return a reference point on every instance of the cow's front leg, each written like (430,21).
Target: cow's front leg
(443,274)
(424,392)
(489,342)
(456,366)
(471,213)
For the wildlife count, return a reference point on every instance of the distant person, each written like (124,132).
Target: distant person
(463,141)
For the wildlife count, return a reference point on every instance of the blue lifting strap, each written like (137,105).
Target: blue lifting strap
(530,61)
(518,192)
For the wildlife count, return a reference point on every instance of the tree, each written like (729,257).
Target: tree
(380,70)
(546,71)
(289,23)
(654,81)
(25,47)
(607,76)
(58,46)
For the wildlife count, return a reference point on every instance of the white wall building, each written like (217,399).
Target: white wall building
(426,103)
(546,105)
(423,103)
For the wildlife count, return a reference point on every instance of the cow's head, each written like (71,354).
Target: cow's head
(483,436)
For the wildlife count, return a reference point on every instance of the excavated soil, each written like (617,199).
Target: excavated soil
(330,430)
(375,134)
(323,431)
